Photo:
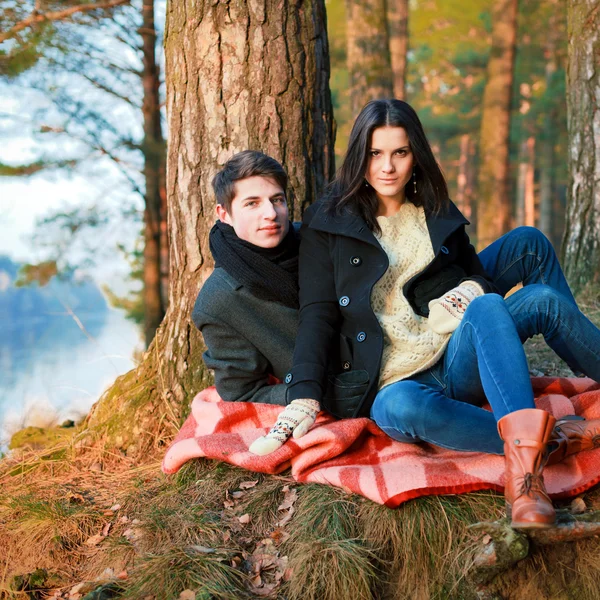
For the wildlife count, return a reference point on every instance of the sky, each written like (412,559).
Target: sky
(25,200)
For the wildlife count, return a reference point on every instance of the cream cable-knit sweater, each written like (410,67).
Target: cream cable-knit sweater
(409,346)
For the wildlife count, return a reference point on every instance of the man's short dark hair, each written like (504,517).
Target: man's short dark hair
(242,165)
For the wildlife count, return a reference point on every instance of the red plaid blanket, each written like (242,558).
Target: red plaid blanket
(356,455)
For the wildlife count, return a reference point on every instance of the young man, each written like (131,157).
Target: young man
(247,310)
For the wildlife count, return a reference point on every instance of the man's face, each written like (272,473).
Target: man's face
(259,212)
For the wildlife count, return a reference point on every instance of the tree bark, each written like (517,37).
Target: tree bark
(581,241)
(397,19)
(494,210)
(239,75)
(369,62)
(153,146)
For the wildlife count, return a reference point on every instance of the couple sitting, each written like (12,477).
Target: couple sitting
(385,310)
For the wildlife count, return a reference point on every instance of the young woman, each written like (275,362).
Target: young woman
(399,321)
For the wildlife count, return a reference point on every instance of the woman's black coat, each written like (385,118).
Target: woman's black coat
(338,351)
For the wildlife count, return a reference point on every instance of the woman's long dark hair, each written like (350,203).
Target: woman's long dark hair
(348,190)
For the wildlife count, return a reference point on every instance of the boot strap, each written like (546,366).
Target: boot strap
(522,443)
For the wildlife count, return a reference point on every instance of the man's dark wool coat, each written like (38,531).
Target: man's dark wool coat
(340,262)
(247,339)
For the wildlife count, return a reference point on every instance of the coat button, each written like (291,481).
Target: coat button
(445,250)
(356,261)
(361,337)
(288,378)
(344,301)
(346,366)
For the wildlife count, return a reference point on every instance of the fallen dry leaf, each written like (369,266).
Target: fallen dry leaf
(75,498)
(291,495)
(238,495)
(115,507)
(486,539)
(106,529)
(122,575)
(77,588)
(94,540)
(203,549)
(246,485)
(187,595)
(108,573)
(245,519)
(279,536)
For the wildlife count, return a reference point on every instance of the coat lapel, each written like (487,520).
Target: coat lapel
(346,224)
(440,226)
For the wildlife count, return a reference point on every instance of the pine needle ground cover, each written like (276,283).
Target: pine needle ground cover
(87,522)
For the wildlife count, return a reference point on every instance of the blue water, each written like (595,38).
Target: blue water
(61,346)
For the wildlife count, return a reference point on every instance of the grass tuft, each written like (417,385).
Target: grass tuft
(166,574)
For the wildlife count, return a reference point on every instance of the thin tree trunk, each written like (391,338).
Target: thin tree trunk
(581,242)
(239,75)
(397,19)
(494,210)
(462,198)
(525,206)
(154,159)
(547,139)
(530,182)
(546,186)
(471,186)
(521,176)
(369,62)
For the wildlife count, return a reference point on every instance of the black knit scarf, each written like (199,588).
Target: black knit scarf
(268,273)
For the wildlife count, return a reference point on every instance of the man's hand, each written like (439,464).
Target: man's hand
(297,418)
(446,313)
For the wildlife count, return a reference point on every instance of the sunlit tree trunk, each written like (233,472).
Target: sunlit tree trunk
(525,205)
(494,210)
(397,19)
(581,242)
(239,75)
(369,62)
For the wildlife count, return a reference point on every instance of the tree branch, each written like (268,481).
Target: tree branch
(60,15)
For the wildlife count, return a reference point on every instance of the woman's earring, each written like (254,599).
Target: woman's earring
(366,183)
(415,181)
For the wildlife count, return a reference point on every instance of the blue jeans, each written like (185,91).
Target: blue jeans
(485,361)
(524,255)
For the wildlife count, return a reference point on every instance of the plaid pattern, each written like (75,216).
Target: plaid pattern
(354,454)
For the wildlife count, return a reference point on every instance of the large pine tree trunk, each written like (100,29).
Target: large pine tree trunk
(239,76)
(494,210)
(153,147)
(581,241)
(369,62)
(397,18)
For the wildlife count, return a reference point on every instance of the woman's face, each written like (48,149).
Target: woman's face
(390,164)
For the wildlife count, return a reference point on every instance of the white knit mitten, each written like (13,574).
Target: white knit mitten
(446,313)
(297,418)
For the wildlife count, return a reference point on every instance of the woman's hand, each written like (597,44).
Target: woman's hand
(446,313)
(296,419)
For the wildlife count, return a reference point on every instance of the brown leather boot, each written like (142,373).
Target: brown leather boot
(525,434)
(572,434)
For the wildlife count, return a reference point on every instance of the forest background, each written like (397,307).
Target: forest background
(488,80)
